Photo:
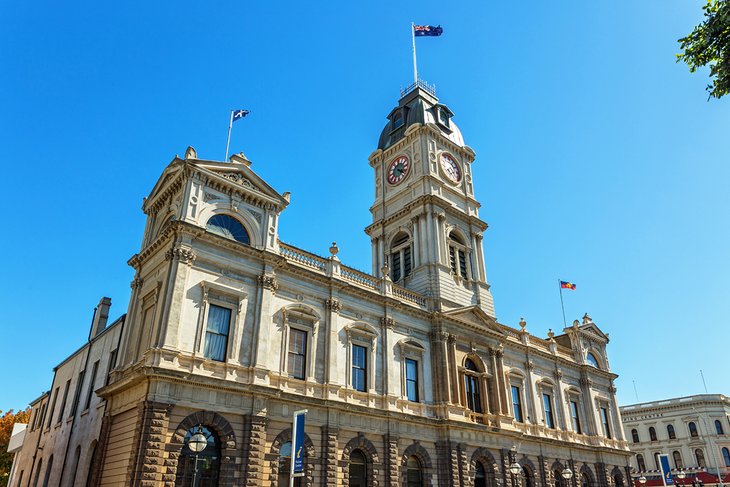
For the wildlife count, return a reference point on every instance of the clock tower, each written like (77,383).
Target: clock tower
(426,231)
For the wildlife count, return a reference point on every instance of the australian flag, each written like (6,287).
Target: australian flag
(427,30)
(238,114)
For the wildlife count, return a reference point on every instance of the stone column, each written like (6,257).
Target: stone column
(152,424)
(416,242)
(530,393)
(267,286)
(329,455)
(332,344)
(453,372)
(254,445)
(497,355)
(447,464)
(391,464)
(181,259)
(559,402)
(544,471)
(585,386)
(617,427)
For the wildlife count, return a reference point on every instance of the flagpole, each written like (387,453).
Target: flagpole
(228,141)
(562,306)
(413,40)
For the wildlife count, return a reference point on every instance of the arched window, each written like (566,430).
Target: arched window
(592,360)
(92,460)
(527,479)
(634,435)
(457,255)
(726,456)
(400,256)
(640,462)
(558,476)
(414,476)
(586,481)
(77,457)
(700,457)
(285,467)
(692,429)
(228,227)
(677,459)
(618,480)
(37,473)
(358,469)
(48,472)
(652,433)
(480,476)
(671,433)
(718,427)
(202,468)
(471,386)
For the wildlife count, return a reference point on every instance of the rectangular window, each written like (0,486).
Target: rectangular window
(604,421)
(548,407)
(462,264)
(43,415)
(574,416)
(53,406)
(64,400)
(396,266)
(216,333)
(517,403)
(112,363)
(359,368)
(412,380)
(77,394)
(92,380)
(297,353)
(406,261)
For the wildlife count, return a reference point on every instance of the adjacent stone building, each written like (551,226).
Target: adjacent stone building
(692,431)
(408,377)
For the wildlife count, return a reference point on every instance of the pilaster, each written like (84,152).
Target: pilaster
(254,444)
(148,467)
(329,455)
(390,443)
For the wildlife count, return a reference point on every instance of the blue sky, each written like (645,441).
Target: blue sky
(599,159)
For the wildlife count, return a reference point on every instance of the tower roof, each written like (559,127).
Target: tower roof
(419,105)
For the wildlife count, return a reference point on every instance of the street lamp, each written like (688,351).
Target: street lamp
(681,475)
(642,480)
(567,474)
(197,444)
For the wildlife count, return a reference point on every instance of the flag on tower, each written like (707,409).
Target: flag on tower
(567,285)
(427,30)
(238,114)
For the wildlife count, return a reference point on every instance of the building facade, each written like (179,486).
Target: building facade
(692,431)
(407,376)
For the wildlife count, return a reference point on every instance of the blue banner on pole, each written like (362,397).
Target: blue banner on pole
(666,470)
(298,443)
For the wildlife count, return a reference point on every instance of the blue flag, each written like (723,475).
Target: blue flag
(427,30)
(297,452)
(238,114)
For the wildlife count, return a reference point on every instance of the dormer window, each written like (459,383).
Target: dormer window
(443,117)
(397,120)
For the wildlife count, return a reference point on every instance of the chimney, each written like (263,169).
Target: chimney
(101,316)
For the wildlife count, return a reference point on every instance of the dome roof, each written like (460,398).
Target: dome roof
(419,106)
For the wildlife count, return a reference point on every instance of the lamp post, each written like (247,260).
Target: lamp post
(567,474)
(196,444)
(681,475)
(642,480)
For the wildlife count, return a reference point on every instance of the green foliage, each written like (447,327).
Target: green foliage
(709,45)
(6,428)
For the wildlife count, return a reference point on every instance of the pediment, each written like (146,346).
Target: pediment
(171,173)
(241,175)
(592,329)
(476,316)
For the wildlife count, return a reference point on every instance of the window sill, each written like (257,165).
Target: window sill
(84,413)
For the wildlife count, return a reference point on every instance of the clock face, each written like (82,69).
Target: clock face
(398,169)
(450,168)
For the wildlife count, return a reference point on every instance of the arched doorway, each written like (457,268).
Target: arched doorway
(205,465)
(358,469)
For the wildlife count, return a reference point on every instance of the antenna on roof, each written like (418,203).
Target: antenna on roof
(635,392)
(703,380)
